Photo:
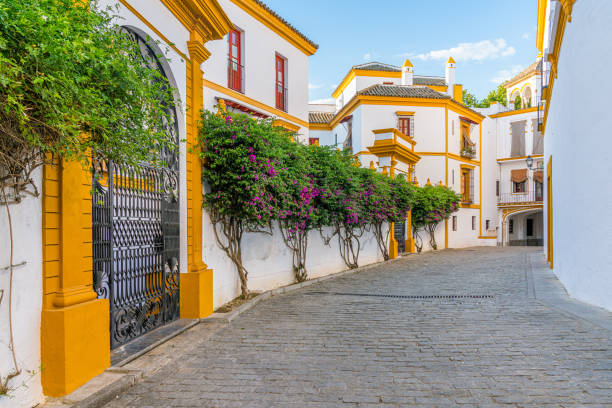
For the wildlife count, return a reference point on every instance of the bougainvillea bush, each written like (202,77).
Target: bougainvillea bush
(257,175)
(243,162)
(432,205)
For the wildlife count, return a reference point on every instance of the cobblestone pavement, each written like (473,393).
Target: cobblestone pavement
(327,345)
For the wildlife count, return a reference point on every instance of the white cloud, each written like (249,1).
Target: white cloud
(324,101)
(333,86)
(474,51)
(367,56)
(525,36)
(315,86)
(506,74)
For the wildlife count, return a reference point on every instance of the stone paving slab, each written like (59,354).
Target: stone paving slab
(327,346)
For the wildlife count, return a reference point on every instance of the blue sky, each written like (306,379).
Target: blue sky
(491,40)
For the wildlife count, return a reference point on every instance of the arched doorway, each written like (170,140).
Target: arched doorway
(523,228)
(136,229)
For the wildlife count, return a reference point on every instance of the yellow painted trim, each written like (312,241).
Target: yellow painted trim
(364,73)
(541,24)
(486,237)
(153,28)
(510,84)
(319,126)
(515,112)
(396,134)
(404,113)
(256,10)
(549,214)
(451,60)
(286,125)
(472,206)
(251,101)
(565,16)
(480,187)
(446,169)
(390,147)
(465,166)
(535,156)
(204,19)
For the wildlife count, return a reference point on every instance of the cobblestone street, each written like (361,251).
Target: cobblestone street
(452,328)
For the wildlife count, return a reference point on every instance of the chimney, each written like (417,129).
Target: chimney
(450,76)
(407,73)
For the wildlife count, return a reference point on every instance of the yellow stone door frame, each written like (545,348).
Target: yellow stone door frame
(75,328)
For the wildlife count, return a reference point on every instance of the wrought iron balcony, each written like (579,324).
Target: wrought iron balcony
(527,197)
(282,97)
(235,75)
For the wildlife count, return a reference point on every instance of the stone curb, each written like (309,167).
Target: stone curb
(129,378)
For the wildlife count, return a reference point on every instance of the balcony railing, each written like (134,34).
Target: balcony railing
(281,98)
(520,198)
(235,75)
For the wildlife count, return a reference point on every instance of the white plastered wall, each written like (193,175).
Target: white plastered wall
(260,46)
(577,136)
(25,390)
(268,261)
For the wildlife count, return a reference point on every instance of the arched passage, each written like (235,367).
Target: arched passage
(523,227)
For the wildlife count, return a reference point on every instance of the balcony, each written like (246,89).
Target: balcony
(235,75)
(282,97)
(529,197)
(468,152)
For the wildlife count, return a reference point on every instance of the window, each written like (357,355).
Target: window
(281,87)
(529,227)
(404,125)
(235,70)
(539,191)
(313,141)
(497,188)
(467,185)
(519,187)
(473,223)
(487,224)
(453,177)
(511,226)
(454,223)
(517,148)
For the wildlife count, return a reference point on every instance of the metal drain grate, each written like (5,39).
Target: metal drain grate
(404,296)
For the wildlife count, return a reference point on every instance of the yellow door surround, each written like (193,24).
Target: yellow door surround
(75,327)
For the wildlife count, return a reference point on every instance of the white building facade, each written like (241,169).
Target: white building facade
(513,163)
(574,38)
(402,123)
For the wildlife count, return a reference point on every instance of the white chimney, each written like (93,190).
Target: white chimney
(450,76)
(407,73)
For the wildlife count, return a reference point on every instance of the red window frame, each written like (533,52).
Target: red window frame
(281,100)
(403,125)
(234,66)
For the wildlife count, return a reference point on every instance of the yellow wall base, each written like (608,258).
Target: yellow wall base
(75,345)
(196,294)
(409,243)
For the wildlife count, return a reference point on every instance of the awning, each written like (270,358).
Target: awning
(238,106)
(518,176)
(464,119)
(538,176)
(346,118)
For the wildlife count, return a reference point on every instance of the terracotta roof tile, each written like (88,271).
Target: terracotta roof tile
(531,69)
(295,30)
(402,91)
(320,117)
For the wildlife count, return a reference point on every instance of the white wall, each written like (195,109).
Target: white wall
(268,261)
(260,46)
(27,299)
(578,139)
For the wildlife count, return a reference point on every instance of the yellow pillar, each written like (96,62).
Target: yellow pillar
(196,284)
(392,242)
(75,337)
(409,238)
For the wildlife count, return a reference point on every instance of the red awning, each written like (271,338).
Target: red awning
(238,106)
(464,119)
(346,118)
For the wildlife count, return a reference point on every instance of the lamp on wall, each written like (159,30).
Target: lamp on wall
(529,161)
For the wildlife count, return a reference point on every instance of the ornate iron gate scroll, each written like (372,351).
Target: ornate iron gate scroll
(136,236)
(399,233)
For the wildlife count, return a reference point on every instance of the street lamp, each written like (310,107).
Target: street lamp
(529,161)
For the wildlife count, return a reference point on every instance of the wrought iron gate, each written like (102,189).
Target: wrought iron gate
(136,236)
(399,233)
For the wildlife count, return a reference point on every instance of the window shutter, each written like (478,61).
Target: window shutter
(472,186)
